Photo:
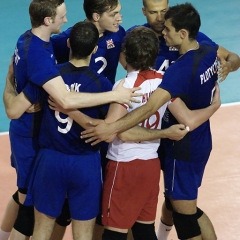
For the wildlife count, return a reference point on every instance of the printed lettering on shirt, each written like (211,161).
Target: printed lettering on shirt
(17,58)
(146,96)
(74,87)
(173,49)
(204,77)
(152,122)
(110,44)
(164,65)
(68,121)
(166,116)
(100,70)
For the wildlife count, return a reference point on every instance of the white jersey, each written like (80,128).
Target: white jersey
(127,151)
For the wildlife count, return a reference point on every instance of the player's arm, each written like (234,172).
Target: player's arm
(104,131)
(72,100)
(137,134)
(194,118)
(229,62)
(80,118)
(115,112)
(15,104)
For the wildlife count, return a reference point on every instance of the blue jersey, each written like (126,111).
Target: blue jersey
(104,61)
(34,62)
(192,78)
(167,55)
(60,132)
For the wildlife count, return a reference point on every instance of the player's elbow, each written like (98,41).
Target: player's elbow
(191,124)
(123,137)
(64,103)
(12,114)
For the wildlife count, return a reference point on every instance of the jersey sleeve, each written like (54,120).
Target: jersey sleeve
(60,48)
(41,68)
(32,92)
(131,28)
(126,84)
(202,38)
(106,84)
(174,80)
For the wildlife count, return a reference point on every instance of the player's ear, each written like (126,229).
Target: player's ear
(144,11)
(95,49)
(68,43)
(95,17)
(47,21)
(183,33)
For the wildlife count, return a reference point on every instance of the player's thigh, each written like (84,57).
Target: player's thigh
(43,226)
(84,186)
(182,179)
(23,152)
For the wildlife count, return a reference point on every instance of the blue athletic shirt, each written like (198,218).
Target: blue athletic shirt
(104,61)
(192,78)
(167,55)
(33,61)
(58,131)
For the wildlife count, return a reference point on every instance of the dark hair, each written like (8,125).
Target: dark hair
(141,47)
(98,6)
(184,16)
(39,9)
(83,38)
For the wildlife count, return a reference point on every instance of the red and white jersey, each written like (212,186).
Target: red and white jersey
(127,151)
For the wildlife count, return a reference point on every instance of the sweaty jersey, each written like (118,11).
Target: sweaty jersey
(104,61)
(33,61)
(126,151)
(60,132)
(167,55)
(192,78)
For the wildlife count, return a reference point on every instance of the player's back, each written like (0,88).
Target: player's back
(29,123)
(192,78)
(126,151)
(60,132)
(104,61)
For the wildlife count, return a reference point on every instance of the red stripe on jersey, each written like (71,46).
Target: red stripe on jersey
(124,105)
(146,75)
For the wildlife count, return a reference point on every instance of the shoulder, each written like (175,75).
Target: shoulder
(102,81)
(63,67)
(202,38)
(119,34)
(208,46)
(135,26)
(63,35)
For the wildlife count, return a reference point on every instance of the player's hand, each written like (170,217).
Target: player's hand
(126,95)
(224,68)
(56,107)
(34,108)
(216,101)
(99,132)
(177,131)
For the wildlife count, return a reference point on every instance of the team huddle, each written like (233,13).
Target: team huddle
(89,149)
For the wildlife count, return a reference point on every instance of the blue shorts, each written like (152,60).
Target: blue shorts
(58,175)
(24,150)
(182,179)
